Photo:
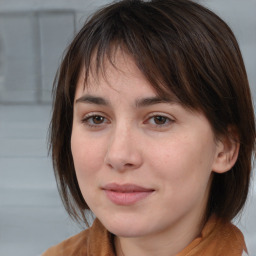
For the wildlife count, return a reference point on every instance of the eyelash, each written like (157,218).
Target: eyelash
(167,119)
(88,119)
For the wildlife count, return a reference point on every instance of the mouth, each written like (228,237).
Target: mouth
(126,194)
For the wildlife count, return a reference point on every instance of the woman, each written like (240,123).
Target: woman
(149,132)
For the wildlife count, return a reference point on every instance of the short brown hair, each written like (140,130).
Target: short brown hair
(182,48)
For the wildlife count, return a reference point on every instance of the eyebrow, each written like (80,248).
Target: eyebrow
(93,100)
(144,102)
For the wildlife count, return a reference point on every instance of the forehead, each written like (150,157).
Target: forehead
(119,75)
(117,61)
(118,72)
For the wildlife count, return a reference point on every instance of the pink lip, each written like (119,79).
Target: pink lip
(126,194)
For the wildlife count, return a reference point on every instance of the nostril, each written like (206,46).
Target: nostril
(122,157)
(128,165)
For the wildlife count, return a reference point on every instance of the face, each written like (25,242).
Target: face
(143,165)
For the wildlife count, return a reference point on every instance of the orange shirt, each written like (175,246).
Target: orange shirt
(217,239)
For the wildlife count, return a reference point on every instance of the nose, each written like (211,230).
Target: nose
(123,151)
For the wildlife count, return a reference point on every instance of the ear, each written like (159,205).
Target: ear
(227,151)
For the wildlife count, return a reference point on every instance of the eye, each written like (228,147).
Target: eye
(97,119)
(94,120)
(159,121)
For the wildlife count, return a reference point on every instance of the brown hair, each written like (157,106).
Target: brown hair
(182,48)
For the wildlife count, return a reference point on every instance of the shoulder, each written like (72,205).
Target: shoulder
(75,245)
(93,241)
(220,237)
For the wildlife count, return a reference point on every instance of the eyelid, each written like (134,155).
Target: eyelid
(159,114)
(95,113)
(85,119)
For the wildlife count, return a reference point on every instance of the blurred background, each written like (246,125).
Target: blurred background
(33,36)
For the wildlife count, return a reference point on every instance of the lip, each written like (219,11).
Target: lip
(126,194)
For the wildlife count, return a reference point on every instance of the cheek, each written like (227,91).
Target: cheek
(183,176)
(183,162)
(87,155)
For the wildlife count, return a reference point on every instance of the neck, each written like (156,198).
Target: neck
(165,243)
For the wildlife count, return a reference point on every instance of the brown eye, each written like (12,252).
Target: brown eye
(160,120)
(95,121)
(98,119)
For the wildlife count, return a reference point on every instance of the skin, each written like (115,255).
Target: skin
(159,145)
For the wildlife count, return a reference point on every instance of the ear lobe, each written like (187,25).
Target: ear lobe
(226,153)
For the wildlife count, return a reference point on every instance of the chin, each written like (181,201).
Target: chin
(125,228)
(126,232)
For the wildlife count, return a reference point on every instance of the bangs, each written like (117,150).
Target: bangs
(140,35)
